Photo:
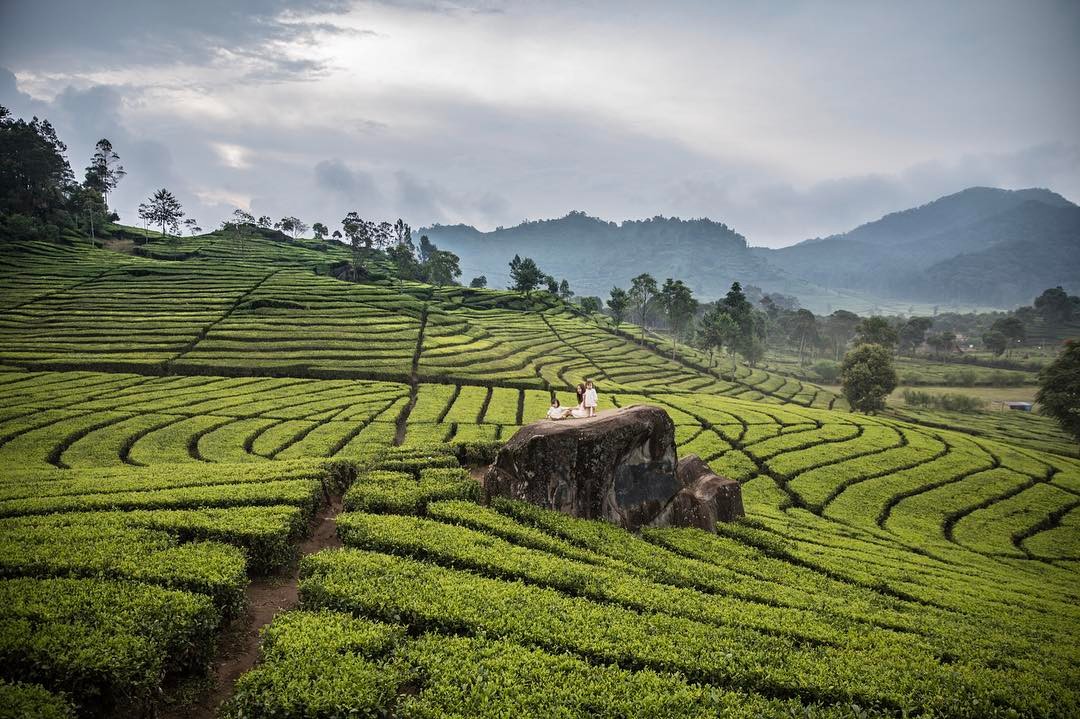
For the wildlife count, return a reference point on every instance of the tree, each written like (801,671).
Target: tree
(89,205)
(478,283)
(144,215)
(942,342)
(292,226)
(552,284)
(166,211)
(995,341)
(618,303)
(405,262)
(1059,389)
(913,333)
(320,231)
(525,274)
(1011,328)
(679,304)
(565,293)
(876,331)
(402,232)
(192,226)
(867,377)
(35,176)
(264,222)
(840,328)
(359,233)
(427,248)
(717,331)
(642,289)
(105,171)
(751,325)
(337,235)
(1054,306)
(805,329)
(591,305)
(442,267)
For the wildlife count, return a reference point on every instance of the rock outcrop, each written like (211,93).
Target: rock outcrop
(620,466)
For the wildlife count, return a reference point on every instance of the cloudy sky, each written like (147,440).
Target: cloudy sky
(785,120)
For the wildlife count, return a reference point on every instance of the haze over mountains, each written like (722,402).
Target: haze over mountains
(981,246)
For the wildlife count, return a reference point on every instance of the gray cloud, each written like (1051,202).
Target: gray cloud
(807,120)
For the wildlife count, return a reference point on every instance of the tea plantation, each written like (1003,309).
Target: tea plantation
(171,423)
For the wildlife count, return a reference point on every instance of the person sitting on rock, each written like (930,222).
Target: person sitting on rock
(557,411)
(589,401)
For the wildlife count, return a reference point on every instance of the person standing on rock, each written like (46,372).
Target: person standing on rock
(590,398)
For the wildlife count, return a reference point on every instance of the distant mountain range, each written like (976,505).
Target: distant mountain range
(982,246)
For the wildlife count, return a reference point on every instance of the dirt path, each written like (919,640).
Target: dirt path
(238,647)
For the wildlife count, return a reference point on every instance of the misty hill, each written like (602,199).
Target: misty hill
(982,246)
(595,255)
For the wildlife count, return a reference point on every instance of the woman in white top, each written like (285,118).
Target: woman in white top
(590,399)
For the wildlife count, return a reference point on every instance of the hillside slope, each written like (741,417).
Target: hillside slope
(150,490)
(983,246)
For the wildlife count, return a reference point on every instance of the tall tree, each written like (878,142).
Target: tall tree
(192,226)
(265,222)
(105,171)
(552,284)
(618,303)
(442,267)
(320,231)
(642,289)
(840,327)
(1012,329)
(565,293)
(478,283)
(34,173)
(876,331)
(402,232)
(995,341)
(1054,306)
(525,274)
(426,248)
(717,331)
(144,215)
(166,211)
(806,331)
(679,304)
(867,377)
(1059,388)
(913,333)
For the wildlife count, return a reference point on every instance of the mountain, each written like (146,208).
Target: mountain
(982,246)
(595,255)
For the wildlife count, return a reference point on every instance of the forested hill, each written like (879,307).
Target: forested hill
(595,255)
(981,246)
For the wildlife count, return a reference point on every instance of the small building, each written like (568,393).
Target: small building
(1019,406)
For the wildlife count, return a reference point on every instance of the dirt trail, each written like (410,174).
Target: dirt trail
(238,647)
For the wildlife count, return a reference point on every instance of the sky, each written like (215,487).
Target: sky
(785,120)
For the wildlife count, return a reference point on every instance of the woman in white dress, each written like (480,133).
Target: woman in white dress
(580,412)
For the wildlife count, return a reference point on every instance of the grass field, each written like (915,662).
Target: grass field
(171,426)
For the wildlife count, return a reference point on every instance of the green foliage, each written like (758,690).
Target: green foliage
(950,402)
(107,644)
(827,370)
(21,701)
(525,274)
(868,377)
(876,331)
(1059,389)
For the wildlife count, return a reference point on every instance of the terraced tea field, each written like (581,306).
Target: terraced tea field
(172,429)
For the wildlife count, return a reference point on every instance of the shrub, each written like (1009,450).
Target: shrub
(827,370)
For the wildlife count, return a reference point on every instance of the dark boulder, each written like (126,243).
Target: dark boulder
(705,498)
(620,466)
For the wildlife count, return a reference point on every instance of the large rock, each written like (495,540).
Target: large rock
(705,498)
(620,466)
